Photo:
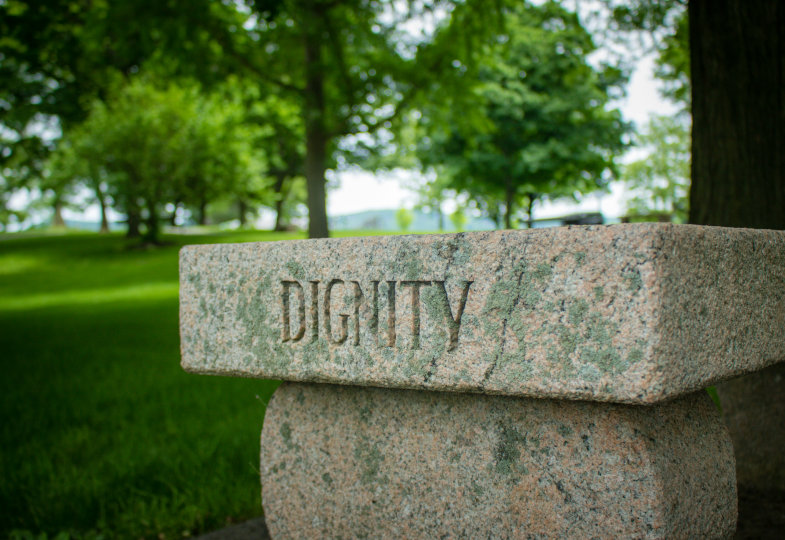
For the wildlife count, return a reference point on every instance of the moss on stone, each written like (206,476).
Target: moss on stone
(296,270)
(633,278)
(286,434)
(507,454)
(577,311)
(370,458)
(542,272)
(599,293)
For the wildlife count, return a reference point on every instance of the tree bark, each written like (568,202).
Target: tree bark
(530,210)
(134,223)
(242,211)
(203,211)
(99,195)
(509,198)
(57,218)
(153,225)
(316,137)
(737,55)
(280,177)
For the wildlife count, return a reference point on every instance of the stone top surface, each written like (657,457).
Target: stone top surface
(626,313)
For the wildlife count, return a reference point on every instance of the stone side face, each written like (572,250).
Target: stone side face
(722,308)
(628,313)
(350,462)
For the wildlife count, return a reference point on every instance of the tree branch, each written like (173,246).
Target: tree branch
(243,60)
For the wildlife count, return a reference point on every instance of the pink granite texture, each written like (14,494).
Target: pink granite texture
(349,462)
(623,313)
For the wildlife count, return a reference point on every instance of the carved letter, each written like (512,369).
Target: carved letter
(327,322)
(454,323)
(285,311)
(375,312)
(391,314)
(314,310)
(358,295)
(415,285)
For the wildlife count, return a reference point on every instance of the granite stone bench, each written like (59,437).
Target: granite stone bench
(526,384)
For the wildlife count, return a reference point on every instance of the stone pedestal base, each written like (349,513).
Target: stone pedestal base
(364,462)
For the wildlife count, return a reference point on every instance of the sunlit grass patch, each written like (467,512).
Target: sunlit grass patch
(102,432)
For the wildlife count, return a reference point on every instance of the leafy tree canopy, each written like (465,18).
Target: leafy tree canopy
(154,145)
(545,130)
(660,180)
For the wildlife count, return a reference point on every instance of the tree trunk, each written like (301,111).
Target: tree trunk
(737,56)
(202,214)
(153,224)
(279,200)
(316,137)
(134,224)
(57,218)
(99,195)
(509,197)
(242,211)
(104,218)
(440,216)
(530,210)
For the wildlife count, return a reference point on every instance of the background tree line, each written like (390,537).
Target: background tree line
(155,107)
(158,109)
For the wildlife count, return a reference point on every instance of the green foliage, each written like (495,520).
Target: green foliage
(404,217)
(659,182)
(59,56)
(152,145)
(545,130)
(673,62)
(666,25)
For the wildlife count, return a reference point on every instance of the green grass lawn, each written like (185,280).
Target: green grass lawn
(102,432)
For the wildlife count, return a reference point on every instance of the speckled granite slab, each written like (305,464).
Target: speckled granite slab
(349,462)
(625,313)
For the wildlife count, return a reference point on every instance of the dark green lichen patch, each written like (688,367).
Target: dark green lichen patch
(370,459)
(507,453)
(260,336)
(580,257)
(632,277)
(296,270)
(598,349)
(564,430)
(408,263)
(577,311)
(634,356)
(542,272)
(599,293)
(286,434)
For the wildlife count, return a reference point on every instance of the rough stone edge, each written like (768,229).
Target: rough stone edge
(681,241)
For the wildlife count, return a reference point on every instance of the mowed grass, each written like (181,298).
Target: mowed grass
(102,432)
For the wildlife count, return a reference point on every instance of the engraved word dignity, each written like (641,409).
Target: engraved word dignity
(337,307)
